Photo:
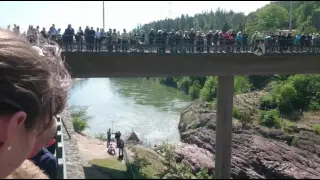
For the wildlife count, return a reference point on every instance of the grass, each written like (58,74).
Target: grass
(111,167)
(316,128)
(152,171)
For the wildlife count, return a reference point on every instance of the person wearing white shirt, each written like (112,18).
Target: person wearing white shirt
(125,40)
(97,37)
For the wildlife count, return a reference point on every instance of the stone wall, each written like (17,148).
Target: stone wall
(72,155)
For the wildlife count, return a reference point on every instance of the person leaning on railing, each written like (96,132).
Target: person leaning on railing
(34,88)
(41,157)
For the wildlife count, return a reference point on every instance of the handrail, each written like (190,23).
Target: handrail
(194,45)
(60,151)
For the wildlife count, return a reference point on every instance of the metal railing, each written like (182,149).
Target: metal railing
(174,45)
(60,151)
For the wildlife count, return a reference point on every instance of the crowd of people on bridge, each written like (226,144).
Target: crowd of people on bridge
(175,40)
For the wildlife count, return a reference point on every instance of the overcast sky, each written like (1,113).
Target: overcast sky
(118,14)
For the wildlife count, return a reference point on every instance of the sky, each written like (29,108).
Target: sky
(118,14)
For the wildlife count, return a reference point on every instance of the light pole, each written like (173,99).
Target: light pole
(290,16)
(112,127)
(103,14)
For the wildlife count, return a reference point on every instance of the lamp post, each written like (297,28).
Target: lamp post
(103,15)
(290,16)
(112,127)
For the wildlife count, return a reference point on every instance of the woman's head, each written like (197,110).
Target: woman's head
(33,89)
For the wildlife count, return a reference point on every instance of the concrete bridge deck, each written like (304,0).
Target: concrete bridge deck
(109,64)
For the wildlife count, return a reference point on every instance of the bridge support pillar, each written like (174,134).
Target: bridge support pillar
(224,127)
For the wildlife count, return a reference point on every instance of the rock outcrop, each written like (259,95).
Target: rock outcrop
(253,155)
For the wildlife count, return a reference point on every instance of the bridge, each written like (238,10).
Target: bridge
(225,65)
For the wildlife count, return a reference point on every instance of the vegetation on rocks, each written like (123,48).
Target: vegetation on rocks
(79,118)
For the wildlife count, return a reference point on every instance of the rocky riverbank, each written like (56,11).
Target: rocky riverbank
(256,152)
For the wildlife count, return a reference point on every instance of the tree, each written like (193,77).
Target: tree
(272,16)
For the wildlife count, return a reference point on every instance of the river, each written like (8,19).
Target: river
(131,104)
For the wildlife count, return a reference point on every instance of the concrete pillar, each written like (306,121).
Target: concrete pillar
(224,127)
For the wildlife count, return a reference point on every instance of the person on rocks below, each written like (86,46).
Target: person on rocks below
(108,137)
(121,147)
(117,136)
(28,104)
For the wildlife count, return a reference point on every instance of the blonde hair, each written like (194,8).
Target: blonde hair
(27,170)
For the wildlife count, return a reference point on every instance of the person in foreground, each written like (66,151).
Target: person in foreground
(41,157)
(34,87)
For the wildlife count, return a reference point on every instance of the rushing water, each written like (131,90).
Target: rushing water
(130,104)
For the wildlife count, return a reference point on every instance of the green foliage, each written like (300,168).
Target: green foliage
(209,90)
(243,116)
(272,16)
(79,125)
(316,128)
(297,92)
(203,174)
(194,89)
(79,118)
(242,84)
(270,118)
(267,102)
(286,97)
(168,150)
(140,162)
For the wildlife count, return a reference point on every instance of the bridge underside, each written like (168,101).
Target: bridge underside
(104,64)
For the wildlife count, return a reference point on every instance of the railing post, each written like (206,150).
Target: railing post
(60,154)
(224,127)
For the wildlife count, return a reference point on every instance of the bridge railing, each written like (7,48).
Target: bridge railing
(60,151)
(188,45)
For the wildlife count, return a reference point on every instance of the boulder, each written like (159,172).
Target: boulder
(253,155)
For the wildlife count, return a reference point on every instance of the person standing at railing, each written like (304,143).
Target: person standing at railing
(114,36)
(209,38)
(97,38)
(41,157)
(103,37)
(142,38)
(44,33)
(158,40)
(53,32)
(30,34)
(239,40)
(68,37)
(109,41)
(178,41)
(192,37)
(152,38)
(171,37)
(90,39)
(28,104)
(124,40)
(86,36)
(244,41)
(79,39)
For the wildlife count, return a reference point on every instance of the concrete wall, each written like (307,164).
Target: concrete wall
(73,161)
(104,64)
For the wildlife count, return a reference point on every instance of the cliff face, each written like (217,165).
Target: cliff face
(253,155)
